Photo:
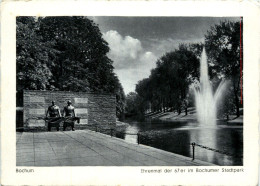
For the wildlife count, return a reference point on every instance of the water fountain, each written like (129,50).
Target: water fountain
(206,101)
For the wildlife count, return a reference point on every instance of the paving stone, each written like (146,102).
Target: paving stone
(73,162)
(155,162)
(88,153)
(25,145)
(47,153)
(103,150)
(64,156)
(25,142)
(90,161)
(47,163)
(43,144)
(87,148)
(58,140)
(23,151)
(31,163)
(45,150)
(89,143)
(20,159)
(121,160)
(24,154)
(66,153)
(40,141)
(42,157)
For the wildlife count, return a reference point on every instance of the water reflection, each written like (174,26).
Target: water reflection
(205,137)
(176,137)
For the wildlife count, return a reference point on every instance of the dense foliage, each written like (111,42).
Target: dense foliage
(65,53)
(223,48)
(168,87)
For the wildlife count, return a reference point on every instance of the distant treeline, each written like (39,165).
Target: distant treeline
(168,88)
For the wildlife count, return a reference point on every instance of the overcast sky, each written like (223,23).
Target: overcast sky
(137,42)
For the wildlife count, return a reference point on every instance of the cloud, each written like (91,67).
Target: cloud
(132,63)
(130,76)
(161,46)
(126,52)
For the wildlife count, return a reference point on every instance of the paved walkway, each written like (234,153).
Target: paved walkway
(87,148)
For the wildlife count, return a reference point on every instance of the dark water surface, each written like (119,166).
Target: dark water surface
(176,137)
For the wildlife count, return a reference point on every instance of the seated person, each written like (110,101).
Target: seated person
(54,118)
(70,117)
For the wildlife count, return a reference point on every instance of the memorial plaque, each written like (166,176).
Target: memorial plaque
(37,99)
(81,111)
(37,111)
(83,121)
(36,123)
(81,100)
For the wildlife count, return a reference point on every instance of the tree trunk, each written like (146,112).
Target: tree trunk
(164,106)
(186,111)
(237,106)
(179,111)
(236,91)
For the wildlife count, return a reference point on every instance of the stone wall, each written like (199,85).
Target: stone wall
(92,108)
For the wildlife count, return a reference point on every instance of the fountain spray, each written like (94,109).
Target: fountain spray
(206,102)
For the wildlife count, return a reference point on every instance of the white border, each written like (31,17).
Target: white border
(129,175)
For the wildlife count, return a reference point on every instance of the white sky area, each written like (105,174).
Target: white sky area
(137,42)
(131,61)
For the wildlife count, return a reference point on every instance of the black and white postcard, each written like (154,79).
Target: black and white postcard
(150,93)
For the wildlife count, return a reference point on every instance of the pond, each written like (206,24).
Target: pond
(176,137)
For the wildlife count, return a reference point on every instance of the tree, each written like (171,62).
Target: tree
(120,97)
(82,64)
(131,103)
(223,48)
(226,105)
(179,69)
(144,95)
(33,56)
(65,53)
(168,84)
